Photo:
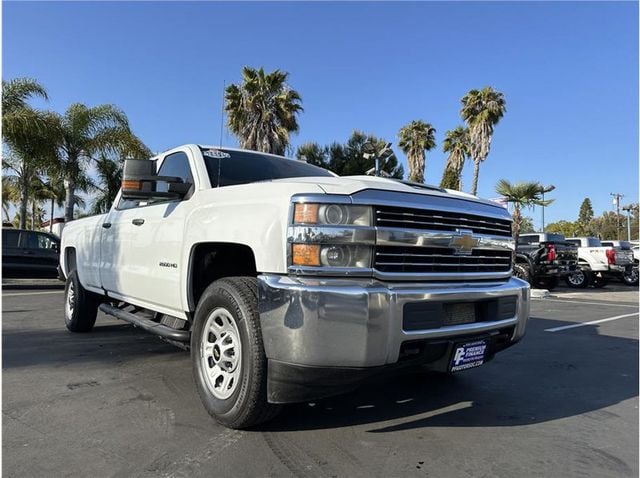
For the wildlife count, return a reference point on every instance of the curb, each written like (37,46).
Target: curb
(540,293)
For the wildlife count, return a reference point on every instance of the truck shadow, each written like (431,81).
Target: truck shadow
(547,376)
(105,344)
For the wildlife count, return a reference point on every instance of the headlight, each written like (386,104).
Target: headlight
(331,255)
(332,214)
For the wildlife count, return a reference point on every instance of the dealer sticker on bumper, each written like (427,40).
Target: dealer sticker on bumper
(468,355)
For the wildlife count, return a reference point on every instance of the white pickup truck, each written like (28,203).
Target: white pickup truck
(598,263)
(289,283)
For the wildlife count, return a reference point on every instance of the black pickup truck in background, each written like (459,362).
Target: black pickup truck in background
(543,258)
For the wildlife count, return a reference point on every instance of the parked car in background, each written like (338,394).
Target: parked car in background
(629,277)
(597,264)
(29,253)
(543,258)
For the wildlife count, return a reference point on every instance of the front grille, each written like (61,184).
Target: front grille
(406,218)
(420,260)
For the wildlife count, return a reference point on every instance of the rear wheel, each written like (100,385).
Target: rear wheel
(227,354)
(579,279)
(80,305)
(631,277)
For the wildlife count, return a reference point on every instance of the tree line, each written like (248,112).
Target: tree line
(47,155)
(609,225)
(262,111)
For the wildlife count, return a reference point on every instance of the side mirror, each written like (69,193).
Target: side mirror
(139,181)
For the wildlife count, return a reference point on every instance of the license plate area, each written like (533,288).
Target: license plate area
(468,355)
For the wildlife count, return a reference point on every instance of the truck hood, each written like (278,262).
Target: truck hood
(353,184)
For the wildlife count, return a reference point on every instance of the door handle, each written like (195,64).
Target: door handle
(137,222)
(28,253)
(106,225)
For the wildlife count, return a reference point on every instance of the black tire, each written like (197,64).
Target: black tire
(631,278)
(80,305)
(247,405)
(579,279)
(522,271)
(548,283)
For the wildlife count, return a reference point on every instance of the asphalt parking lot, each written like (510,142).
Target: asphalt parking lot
(118,402)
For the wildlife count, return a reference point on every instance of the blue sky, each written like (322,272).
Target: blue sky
(569,72)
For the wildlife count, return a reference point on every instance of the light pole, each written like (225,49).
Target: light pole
(370,151)
(616,203)
(545,189)
(628,208)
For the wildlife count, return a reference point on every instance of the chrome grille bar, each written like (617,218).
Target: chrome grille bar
(397,217)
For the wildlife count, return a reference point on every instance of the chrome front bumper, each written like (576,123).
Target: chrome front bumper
(357,322)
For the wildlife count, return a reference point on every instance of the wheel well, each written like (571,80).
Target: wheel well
(69,259)
(213,261)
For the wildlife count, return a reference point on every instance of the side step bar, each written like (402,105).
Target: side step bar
(147,324)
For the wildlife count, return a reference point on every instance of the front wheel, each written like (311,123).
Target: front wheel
(80,305)
(227,354)
(522,271)
(580,279)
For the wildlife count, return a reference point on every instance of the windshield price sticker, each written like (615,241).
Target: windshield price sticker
(215,153)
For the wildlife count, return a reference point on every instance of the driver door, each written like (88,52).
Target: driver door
(142,245)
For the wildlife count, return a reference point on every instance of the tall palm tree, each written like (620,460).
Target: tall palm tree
(456,143)
(416,138)
(19,119)
(262,110)
(521,195)
(24,132)
(481,110)
(83,134)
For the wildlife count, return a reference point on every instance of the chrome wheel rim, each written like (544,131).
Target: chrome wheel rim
(631,277)
(577,278)
(221,353)
(70,303)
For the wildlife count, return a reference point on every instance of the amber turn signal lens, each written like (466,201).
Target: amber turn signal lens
(131,184)
(305,255)
(305,214)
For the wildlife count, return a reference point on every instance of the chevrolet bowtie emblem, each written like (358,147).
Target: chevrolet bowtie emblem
(464,243)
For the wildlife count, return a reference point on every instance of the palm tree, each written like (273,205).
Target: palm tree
(521,195)
(415,139)
(456,143)
(19,119)
(24,131)
(481,110)
(83,134)
(262,110)
(109,174)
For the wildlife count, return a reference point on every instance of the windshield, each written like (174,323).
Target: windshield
(228,167)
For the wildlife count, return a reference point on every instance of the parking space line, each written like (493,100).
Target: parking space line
(34,293)
(585,302)
(592,322)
